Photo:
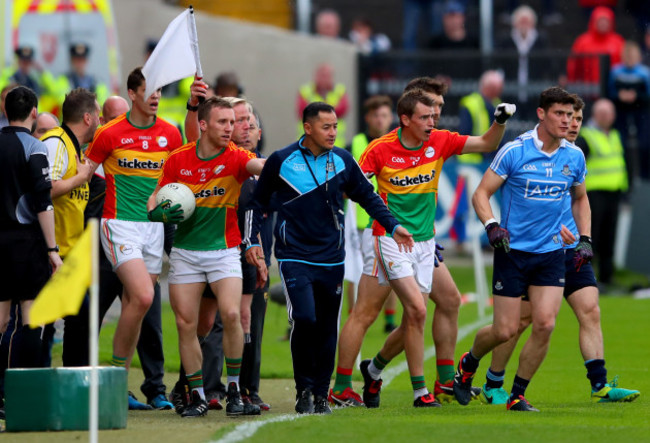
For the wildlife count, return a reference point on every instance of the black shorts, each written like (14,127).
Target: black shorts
(24,265)
(249,275)
(516,270)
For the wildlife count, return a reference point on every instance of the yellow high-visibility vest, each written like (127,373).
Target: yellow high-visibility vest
(606,161)
(333,98)
(359,144)
(475,104)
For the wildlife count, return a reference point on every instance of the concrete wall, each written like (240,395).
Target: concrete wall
(272,63)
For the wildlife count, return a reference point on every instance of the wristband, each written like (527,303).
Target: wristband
(191,108)
(489,222)
(54,249)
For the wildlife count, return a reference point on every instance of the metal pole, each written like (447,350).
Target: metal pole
(487,31)
(303,15)
(93,418)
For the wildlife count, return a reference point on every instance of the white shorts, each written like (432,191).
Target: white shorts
(124,240)
(395,264)
(370,264)
(187,266)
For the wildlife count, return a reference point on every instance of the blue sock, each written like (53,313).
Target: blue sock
(596,373)
(519,386)
(494,379)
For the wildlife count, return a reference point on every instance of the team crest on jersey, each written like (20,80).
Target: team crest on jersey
(430,152)
(498,286)
(162,141)
(566,170)
(218,169)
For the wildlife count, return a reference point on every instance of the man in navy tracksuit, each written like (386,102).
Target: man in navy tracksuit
(308,180)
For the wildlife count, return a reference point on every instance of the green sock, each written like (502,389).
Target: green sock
(343,380)
(380,362)
(195,380)
(418,382)
(445,370)
(389,316)
(233,366)
(119,362)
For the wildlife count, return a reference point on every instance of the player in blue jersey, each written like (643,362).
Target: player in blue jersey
(581,292)
(537,173)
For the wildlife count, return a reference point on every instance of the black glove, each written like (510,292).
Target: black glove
(584,252)
(498,236)
(503,112)
(166,213)
(437,259)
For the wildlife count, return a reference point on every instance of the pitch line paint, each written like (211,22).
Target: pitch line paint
(248,429)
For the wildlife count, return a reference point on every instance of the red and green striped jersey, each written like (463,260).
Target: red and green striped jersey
(133,157)
(216,183)
(407,178)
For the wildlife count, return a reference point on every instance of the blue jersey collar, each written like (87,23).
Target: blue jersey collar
(540,144)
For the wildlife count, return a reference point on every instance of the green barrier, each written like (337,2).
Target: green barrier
(56,399)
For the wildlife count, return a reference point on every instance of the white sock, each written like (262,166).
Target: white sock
(374,372)
(419,393)
(201,392)
(233,379)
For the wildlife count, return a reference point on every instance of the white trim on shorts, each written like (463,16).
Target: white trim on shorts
(370,262)
(394,264)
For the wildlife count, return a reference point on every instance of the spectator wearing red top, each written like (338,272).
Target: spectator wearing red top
(600,39)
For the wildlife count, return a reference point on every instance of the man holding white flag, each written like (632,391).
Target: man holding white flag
(176,55)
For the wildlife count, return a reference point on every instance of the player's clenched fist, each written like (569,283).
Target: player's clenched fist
(503,112)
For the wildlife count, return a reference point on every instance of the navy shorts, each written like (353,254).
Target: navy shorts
(24,265)
(576,280)
(516,270)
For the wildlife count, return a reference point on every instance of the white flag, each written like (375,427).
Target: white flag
(176,55)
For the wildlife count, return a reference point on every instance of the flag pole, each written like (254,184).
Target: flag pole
(194,37)
(93,415)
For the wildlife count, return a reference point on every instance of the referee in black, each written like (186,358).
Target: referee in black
(28,250)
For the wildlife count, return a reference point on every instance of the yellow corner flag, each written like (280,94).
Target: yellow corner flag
(65,291)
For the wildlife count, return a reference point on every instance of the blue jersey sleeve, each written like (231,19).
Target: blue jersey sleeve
(504,161)
(582,167)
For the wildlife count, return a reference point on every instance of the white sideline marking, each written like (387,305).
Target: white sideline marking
(248,429)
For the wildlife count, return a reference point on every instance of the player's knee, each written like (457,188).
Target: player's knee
(363,319)
(504,333)
(141,302)
(544,327)
(590,315)
(186,326)
(230,316)
(416,315)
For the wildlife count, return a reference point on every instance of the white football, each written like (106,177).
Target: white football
(178,193)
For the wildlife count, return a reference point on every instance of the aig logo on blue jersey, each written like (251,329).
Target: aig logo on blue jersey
(545,189)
